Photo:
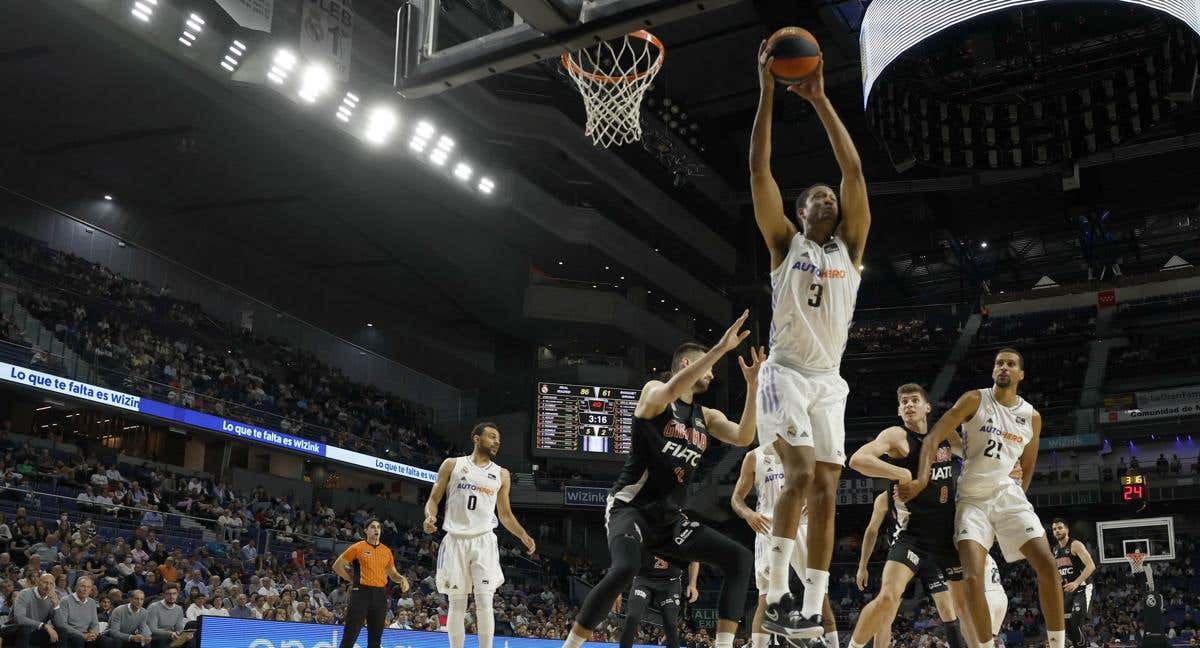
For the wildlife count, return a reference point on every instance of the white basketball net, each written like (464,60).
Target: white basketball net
(613,78)
(1137,564)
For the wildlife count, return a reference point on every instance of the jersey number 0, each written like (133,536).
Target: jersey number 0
(814,294)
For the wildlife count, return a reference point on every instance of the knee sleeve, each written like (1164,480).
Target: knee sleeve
(485,619)
(670,615)
(456,621)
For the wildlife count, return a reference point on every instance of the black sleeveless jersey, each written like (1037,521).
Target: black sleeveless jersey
(936,502)
(664,453)
(1069,565)
(659,568)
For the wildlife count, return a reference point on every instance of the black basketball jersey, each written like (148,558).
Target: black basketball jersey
(664,453)
(1069,565)
(659,568)
(936,502)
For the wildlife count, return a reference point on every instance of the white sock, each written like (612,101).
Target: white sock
(456,621)
(759,640)
(831,639)
(816,583)
(1056,638)
(573,640)
(485,619)
(855,644)
(990,643)
(724,640)
(779,553)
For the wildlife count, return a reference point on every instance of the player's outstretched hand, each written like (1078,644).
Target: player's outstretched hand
(860,578)
(759,522)
(530,545)
(734,334)
(750,371)
(430,525)
(766,80)
(692,593)
(907,491)
(812,87)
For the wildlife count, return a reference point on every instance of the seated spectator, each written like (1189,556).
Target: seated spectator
(165,620)
(33,613)
(127,624)
(152,518)
(48,551)
(76,617)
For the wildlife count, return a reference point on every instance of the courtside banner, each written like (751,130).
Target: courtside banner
(66,387)
(584,496)
(225,632)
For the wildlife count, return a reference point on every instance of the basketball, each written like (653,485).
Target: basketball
(796,54)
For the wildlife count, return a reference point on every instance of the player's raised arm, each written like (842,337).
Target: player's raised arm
(871,536)
(776,229)
(757,521)
(741,433)
(855,210)
(962,412)
(868,461)
(657,395)
(505,515)
(1029,455)
(435,495)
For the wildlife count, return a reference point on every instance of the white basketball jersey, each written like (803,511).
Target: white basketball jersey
(993,440)
(768,482)
(471,502)
(813,292)
(991,576)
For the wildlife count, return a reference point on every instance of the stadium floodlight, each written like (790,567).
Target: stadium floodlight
(346,110)
(421,136)
(233,56)
(191,29)
(281,66)
(445,143)
(314,82)
(462,171)
(486,185)
(438,156)
(143,10)
(381,123)
(442,150)
(108,196)
(983,244)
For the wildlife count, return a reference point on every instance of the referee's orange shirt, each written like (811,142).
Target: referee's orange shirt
(373,562)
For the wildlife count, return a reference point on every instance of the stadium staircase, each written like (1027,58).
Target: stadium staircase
(945,377)
(42,337)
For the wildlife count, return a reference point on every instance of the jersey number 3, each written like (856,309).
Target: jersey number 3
(814,294)
(993,449)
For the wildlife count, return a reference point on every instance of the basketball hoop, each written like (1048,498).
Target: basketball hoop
(1137,561)
(612,77)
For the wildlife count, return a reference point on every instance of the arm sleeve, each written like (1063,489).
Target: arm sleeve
(21,611)
(114,624)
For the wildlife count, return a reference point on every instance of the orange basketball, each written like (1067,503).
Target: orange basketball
(796,54)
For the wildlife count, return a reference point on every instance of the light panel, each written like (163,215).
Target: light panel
(381,123)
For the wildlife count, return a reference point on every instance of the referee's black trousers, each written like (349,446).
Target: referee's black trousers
(369,605)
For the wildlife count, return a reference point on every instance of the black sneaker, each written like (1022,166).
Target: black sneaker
(784,620)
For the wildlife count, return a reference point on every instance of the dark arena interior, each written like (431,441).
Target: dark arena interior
(271,270)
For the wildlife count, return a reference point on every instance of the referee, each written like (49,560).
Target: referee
(368,596)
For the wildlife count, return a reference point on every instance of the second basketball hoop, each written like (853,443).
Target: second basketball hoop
(612,76)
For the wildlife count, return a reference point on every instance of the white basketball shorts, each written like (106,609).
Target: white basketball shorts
(468,564)
(998,605)
(803,408)
(1005,516)
(762,564)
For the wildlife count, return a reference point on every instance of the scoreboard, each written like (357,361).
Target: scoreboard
(591,421)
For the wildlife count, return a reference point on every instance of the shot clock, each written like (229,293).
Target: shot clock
(1135,490)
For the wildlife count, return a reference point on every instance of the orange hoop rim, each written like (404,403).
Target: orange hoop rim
(570,64)
(1136,559)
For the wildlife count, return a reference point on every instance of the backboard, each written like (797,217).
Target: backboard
(541,30)
(1154,537)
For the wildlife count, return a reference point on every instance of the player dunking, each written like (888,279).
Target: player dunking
(658,584)
(1075,567)
(814,284)
(762,471)
(645,507)
(469,560)
(923,541)
(998,428)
